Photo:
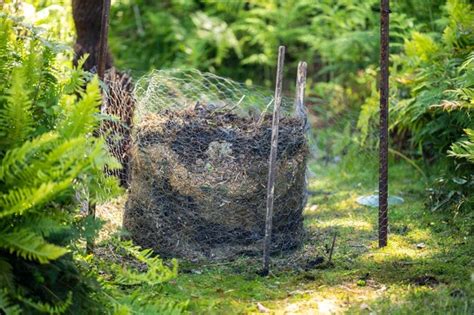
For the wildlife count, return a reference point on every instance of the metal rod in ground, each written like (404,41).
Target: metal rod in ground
(101,60)
(300,110)
(383,147)
(272,161)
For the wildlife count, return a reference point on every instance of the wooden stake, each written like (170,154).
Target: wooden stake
(101,60)
(104,32)
(272,161)
(300,110)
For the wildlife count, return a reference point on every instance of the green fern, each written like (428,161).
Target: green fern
(6,305)
(56,308)
(81,116)
(30,246)
(48,113)
(464,149)
(14,167)
(17,201)
(6,275)
(16,118)
(156,272)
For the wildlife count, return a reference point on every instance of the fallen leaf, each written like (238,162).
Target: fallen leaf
(262,309)
(420,245)
(364,306)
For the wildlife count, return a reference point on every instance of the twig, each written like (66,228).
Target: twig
(236,105)
(241,100)
(272,161)
(262,114)
(332,248)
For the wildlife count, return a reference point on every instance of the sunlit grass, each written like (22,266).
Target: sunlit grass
(351,223)
(426,266)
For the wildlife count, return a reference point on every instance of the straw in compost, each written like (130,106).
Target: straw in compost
(198,185)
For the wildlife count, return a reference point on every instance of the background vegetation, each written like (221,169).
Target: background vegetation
(432,69)
(51,164)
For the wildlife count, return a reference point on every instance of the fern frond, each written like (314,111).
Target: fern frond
(48,308)
(17,201)
(76,78)
(464,148)
(15,163)
(6,305)
(28,245)
(66,160)
(16,119)
(138,302)
(46,225)
(157,272)
(6,275)
(80,118)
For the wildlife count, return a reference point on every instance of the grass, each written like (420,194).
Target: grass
(427,267)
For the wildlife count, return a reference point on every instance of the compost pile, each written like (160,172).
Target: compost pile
(199,177)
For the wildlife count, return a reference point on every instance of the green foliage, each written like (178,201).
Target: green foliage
(431,52)
(47,149)
(49,156)
(464,149)
(434,82)
(239,39)
(48,112)
(453,195)
(133,279)
(432,103)
(6,305)
(156,273)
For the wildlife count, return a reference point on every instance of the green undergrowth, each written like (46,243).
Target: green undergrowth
(426,268)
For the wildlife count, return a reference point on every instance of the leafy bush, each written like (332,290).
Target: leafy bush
(431,53)
(239,39)
(434,82)
(432,104)
(464,148)
(49,112)
(46,121)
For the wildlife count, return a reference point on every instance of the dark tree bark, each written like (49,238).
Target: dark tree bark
(87,16)
(119,100)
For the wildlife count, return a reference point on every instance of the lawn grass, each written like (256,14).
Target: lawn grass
(427,267)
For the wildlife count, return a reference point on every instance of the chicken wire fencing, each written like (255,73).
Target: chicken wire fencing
(118,106)
(199,166)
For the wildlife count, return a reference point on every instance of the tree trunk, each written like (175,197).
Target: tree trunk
(87,16)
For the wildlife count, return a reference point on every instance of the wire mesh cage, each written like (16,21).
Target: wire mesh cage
(199,165)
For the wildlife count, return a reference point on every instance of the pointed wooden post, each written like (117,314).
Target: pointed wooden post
(300,110)
(103,40)
(272,161)
(101,60)
(300,89)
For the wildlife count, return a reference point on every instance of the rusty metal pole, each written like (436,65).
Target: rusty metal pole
(272,162)
(383,146)
(101,60)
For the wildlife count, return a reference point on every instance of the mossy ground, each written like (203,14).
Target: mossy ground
(435,277)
